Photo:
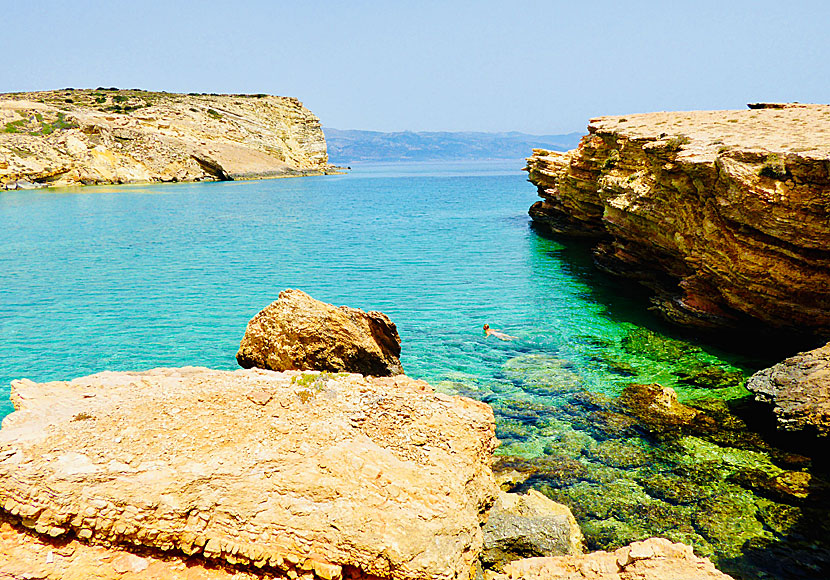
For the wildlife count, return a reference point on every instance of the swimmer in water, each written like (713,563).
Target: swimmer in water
(500,335)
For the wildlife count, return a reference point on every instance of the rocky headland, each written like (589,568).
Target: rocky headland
(723,215)
(104,136)
(198,474)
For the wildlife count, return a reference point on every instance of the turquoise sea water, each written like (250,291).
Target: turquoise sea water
(135,277)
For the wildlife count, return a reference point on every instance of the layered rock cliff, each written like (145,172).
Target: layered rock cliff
(725,215)
(75,137)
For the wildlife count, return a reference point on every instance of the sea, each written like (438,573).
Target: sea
(143,276)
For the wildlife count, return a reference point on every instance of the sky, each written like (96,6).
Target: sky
(531,66)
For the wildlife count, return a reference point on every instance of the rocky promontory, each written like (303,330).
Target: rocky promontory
(724,215)
(85,136)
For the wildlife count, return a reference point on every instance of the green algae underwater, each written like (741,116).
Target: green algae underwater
(131,278)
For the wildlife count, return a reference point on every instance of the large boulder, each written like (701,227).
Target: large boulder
(652,559)
(297,332)
(528,525)
(798,390)
(297,474)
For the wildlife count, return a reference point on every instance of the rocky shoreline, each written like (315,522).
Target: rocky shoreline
(195,473)
(109,136)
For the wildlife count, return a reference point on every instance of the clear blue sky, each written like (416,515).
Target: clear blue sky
(538,67)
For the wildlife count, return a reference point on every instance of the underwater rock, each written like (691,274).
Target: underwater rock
(550,470)
(728,521)
(798,389)
(787,486)
(541,374)
(675,489)
(651,559)
(644,342)
(305,474)
(528,525)
(722,215)
(710,377)
(656,407)
(619,453)
(780,518)
(297,332)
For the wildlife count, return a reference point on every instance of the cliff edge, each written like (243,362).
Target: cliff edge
(724,215)
(85,137)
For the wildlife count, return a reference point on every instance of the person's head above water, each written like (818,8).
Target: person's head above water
(486,327)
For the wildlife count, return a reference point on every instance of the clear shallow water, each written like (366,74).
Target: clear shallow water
(130,278)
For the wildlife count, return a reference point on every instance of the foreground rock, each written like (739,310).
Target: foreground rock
(798,390)
(290,473)
(652,559)
(297,332)
(725,215)
(83,137)
(527,525)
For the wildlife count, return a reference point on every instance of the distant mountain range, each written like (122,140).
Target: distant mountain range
(350,146)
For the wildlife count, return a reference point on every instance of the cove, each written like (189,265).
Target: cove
(130,278)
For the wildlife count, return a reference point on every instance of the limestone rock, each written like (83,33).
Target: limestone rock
(297,332)
(652,559)
(295,473)
(59,138)
(24,556)
(798,390)
(724,215)
(527,525)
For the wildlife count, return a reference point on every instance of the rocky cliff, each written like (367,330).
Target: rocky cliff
(724,215)
(75,137)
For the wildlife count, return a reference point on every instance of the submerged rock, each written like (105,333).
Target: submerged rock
(293,473)
(528,525)
(297,332)
(798,390)
(652,559)
(723,215)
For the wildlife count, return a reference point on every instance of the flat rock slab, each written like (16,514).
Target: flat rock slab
(798,389)
(331,475)
(652,559)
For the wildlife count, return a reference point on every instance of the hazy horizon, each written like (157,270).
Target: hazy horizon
(541,68)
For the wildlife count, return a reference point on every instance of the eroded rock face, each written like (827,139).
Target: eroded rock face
(527,525)
(798,389)
(291,473)
(83,137)
(297,332)
(725,215)
(652,559)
